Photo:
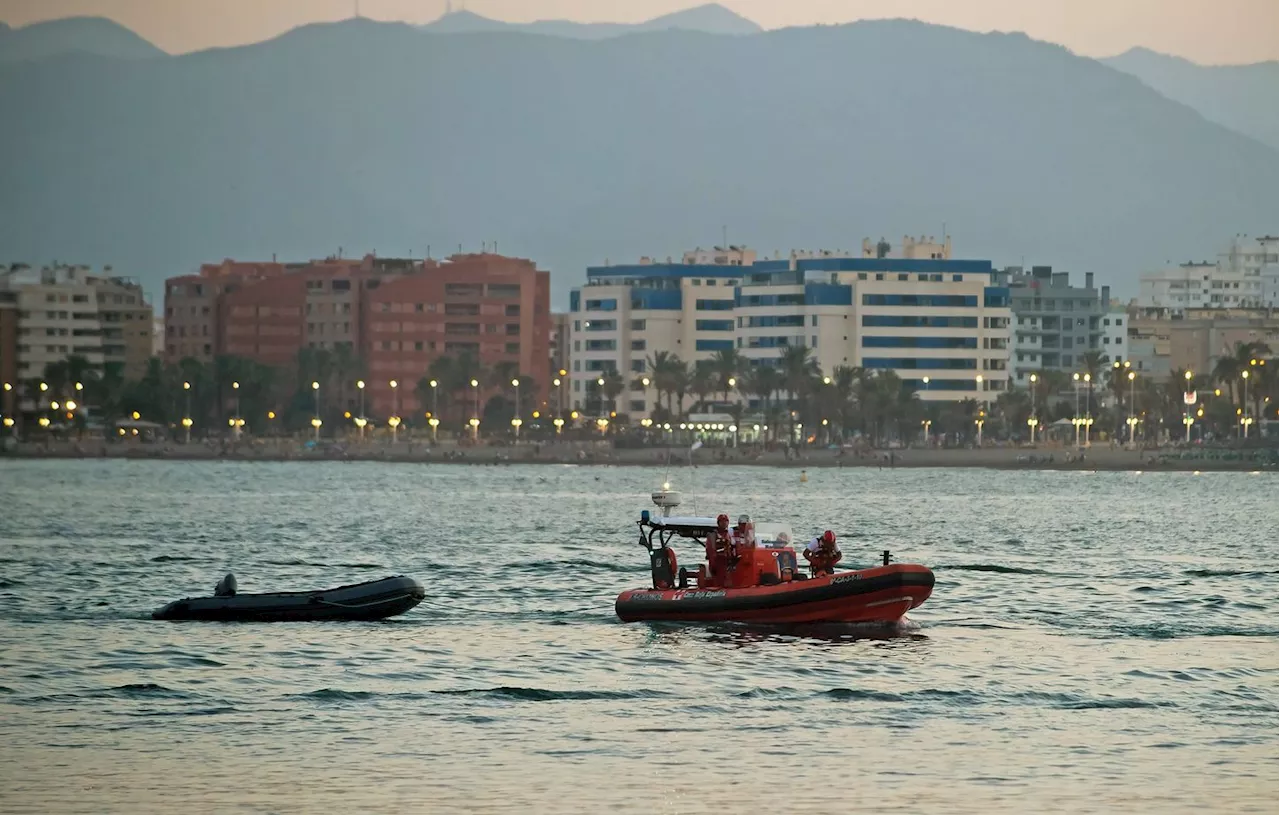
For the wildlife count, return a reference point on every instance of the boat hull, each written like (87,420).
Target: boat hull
(372,600)
(880,594)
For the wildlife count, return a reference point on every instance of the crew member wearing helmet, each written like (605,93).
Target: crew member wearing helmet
(744,535)
(719,543)
(823,554)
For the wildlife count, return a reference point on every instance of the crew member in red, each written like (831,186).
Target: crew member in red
(719,543)
(744,536)
(823,554)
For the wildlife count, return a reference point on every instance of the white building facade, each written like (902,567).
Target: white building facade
(1244,276)
(924,318)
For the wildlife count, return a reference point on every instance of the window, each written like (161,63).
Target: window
(713,325)
(714,345)
(602,345)
(504,290)
(637,345)
(458,309)
(637,325)
(513,348)
(610,304)
(921,300)
(637,406)
(601,325)
(513,329)
(714,305)
(463,290)
(637,365)
(513,311)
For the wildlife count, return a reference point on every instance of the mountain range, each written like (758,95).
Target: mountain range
(710,18)
(1240,97)
(572,150)
(89,35)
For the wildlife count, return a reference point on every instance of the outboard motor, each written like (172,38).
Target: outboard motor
(226,586)
(662,562)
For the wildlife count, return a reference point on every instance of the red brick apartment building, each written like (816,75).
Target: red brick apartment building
(397,315)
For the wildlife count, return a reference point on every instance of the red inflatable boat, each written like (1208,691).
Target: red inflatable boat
(765,586)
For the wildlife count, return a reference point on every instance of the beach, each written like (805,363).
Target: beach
(1101,456)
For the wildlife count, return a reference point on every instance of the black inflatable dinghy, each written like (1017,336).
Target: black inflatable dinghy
(372,600)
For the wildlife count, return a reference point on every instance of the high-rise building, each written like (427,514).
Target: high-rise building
(922,316)
(1244,276)
(394,316)
(65,311)
(494,308)
(1055,323)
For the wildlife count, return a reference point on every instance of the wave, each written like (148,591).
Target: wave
(504,692)
(297,562)
(988,567)
(560,565)
(173,558)
(544,695)
(1229,573)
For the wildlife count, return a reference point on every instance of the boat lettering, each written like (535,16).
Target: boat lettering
(845,578)
(699,595)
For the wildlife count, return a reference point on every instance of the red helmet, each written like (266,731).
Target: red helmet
(828,537)
(722,520)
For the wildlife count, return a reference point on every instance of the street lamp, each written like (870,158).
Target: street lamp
(1187,419)
(362,421)
(982,417)
(515,420)
(1075,378)
(475,420)
(435,410)
(1133,420)
(237,423)
(315,420)
(1246,421)
(1031,420)
(394,421)
(186,422)
(1088,408)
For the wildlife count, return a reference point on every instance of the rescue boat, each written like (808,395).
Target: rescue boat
(766,585)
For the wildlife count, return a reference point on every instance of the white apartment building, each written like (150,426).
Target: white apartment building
(71,310)
(922,317)
(1244,276)
(1115,334)
(1270,276)
(626,314)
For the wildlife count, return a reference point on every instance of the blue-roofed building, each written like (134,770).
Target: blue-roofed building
(941,324)
(625,314)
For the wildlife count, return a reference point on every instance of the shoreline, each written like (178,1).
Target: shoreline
(1098,458)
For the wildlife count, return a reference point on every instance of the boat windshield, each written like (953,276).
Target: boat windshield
(774,534)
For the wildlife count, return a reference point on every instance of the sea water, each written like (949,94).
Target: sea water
(1096,642)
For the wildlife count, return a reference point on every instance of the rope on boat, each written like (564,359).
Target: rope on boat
(363,605)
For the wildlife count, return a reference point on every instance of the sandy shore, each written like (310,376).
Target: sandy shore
(1098,457)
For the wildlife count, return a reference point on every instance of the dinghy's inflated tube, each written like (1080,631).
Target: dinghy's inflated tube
(372,600)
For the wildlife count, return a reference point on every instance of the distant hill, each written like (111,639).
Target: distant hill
(382,137)
(711,18)
(88,35)
(1240,97)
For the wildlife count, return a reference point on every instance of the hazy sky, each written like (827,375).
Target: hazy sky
(1207,31)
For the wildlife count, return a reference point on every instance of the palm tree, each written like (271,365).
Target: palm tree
(725,365)
(799,369)
(613,388)
(703,382)
(763,381)
(661,366)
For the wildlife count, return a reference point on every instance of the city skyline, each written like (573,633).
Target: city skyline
(1203,32)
